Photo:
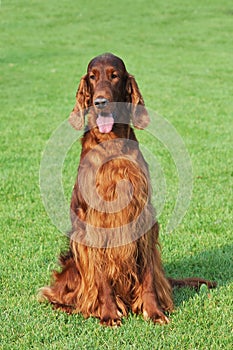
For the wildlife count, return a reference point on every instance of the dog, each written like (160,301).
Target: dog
(113,265)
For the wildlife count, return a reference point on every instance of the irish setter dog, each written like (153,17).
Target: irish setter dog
(113,265)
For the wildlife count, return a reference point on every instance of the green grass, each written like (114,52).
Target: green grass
(181,54)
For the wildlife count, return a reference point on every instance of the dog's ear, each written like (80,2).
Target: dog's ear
(140,116)
(83,97)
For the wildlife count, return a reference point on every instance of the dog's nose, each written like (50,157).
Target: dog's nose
(101,102)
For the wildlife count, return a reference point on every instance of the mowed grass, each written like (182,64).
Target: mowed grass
(181,55)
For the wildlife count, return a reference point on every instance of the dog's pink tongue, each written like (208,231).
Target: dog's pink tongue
(105,124)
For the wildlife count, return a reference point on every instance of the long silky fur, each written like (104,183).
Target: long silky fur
(75,289)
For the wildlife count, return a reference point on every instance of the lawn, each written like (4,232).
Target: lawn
(181,54)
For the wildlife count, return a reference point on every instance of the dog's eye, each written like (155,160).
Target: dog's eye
(114,76)
(92,77)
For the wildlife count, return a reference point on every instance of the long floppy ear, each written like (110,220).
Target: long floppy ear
(83,95)
(140,116)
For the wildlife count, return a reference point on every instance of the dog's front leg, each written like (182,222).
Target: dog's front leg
(109,314)
(150,308)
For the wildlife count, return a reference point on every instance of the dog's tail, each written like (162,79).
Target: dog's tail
(193,282)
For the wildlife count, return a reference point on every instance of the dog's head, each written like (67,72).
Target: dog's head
(106,84)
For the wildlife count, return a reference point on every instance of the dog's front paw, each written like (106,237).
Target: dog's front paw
(110,321)
(155,316)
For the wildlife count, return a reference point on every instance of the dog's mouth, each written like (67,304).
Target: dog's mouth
(105,122)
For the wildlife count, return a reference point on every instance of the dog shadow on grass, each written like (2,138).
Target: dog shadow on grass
(214,265)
